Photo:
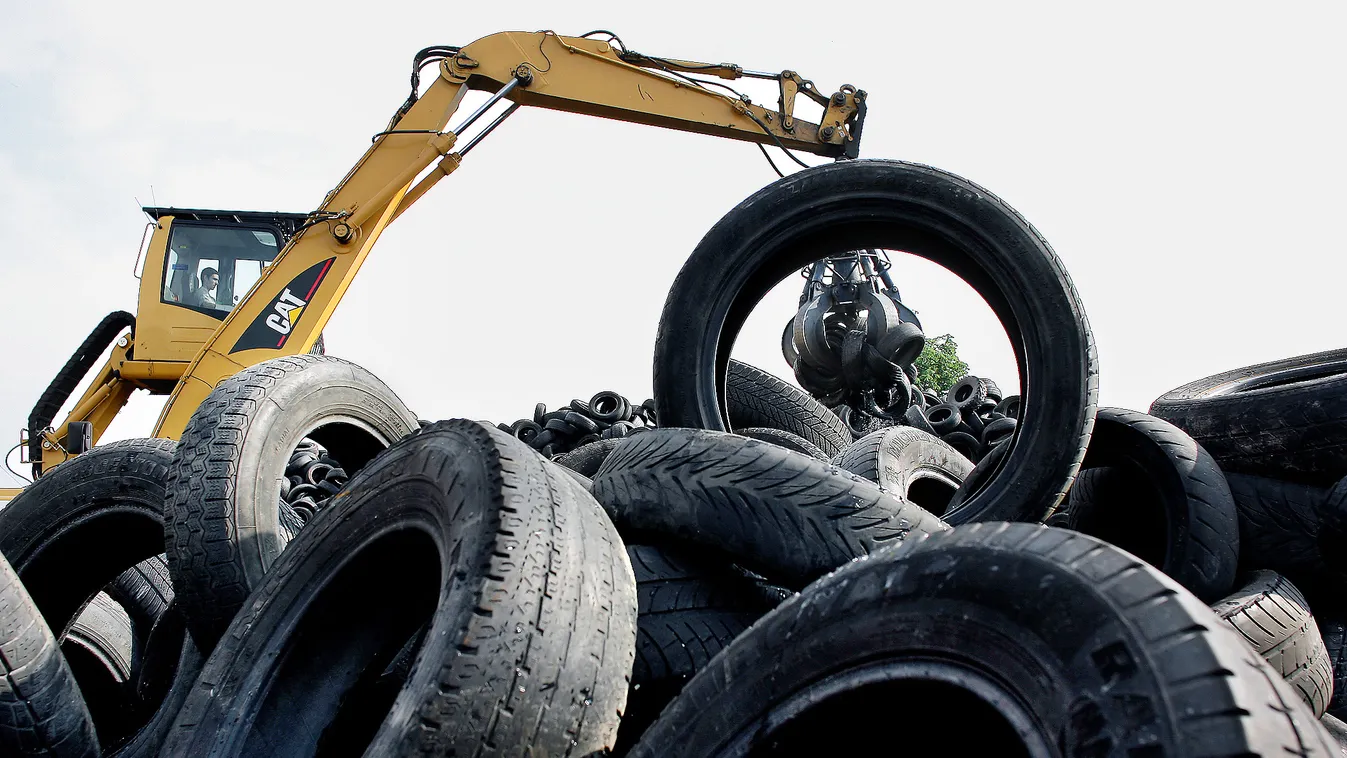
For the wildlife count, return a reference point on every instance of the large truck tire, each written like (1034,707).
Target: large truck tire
(853,205)
(1283,419)
(784,515)
(1163,499)
(41,709)
(524,583)
(755,398)
(910,464)
(991,639)
(81,529)
(689,607)
(1273,617)
(223,527)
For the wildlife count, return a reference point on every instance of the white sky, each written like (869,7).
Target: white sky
(1184,159)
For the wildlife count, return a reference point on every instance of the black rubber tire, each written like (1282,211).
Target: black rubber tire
(144,591)
(586,459)
(1284,419)
(861,204)
(967,395)
(531,611)
(41,710)
(689,608)
(1337,730)
(967,445)
(69,377)
(1293,529)
(782,438)
(222,520)
(787,516)
(909,464)
(1168,504)
(105,631)
(1334,632)
(755,398)
(1089,651)
(170,667)
(1274,619)
(943,418)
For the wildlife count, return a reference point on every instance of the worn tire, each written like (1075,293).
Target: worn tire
(144,591)
(923,211)
(103,652)
(41,710)
(909,464)
(586,459)
(997,639)
(755,398)
(223,526)
(1334,632)
(787,516)
(1165,501)
(689,608)
(1295,530)
(783,438)
(525,584)
(1274,619)
(1285,419)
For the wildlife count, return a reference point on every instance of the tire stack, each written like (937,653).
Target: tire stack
(671,589)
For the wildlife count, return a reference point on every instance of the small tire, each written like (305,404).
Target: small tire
(41,709)
(527,589)
(787,516)
(223,530)
(782,438)
(586,459)
(909,464)
(1274,619)
(1168,502)
(1285,419)
(998,640)
(755,398)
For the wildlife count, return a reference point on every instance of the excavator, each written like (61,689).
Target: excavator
(224,290)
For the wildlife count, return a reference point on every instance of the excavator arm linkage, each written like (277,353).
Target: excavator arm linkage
(288,306)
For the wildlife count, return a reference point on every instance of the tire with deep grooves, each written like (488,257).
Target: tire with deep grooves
(68,378)
(144,591)
(1164,500)
(861,204)
(1284,419)
(41,711)
(1295,530)
(1065,637)
(223,524)
(783,438)
(525,584)
(1274,619)
(755,398)
(787,516)
(689,608)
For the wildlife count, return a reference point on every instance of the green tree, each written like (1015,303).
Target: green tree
(938,366)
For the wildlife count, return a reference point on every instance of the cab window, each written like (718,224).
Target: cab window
(210,268)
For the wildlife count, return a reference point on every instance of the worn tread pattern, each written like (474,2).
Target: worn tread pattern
(1294,428)
(755,398)
(894,458)
(1273,617)
(1202,691)
(787,516)
(145,591)
(533,641)
(1334,631)
(105,629)
(1287,527)
(41,710)
(202,529)
(1202,552)
(783,438)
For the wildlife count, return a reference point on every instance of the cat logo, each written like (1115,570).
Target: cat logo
(273,326)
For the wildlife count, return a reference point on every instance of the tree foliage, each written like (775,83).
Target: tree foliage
(939,366)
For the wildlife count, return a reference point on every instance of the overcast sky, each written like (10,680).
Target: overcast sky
(1185,160)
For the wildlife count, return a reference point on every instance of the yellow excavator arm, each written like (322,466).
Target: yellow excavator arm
(287,307)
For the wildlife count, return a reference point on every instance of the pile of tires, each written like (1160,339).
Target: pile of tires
(723,570)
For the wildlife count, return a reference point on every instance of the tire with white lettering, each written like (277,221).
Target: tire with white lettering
(41,709)
(1000,639)
(223,527)
(909,463)
(523,583)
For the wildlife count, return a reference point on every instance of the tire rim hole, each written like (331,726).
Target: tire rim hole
(931,493)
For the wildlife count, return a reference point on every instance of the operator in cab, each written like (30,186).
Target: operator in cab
(204,296)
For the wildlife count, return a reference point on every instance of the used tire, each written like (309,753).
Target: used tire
(586,459)
(41,710)
(910,464)
(1334,632)
(755,398)
(1293,529)
(948,220)
(144,591)
(1284,419)
(223,530)
(1274,619)
(787,516)
(103,652)
(783,438)
(525,584)
(1002,639)
(689,608)
(1165,500)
